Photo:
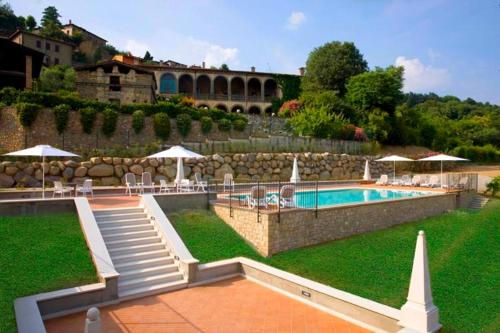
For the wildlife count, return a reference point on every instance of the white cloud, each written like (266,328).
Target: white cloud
(136,48)
(213,54)
(420,77)
(295,20)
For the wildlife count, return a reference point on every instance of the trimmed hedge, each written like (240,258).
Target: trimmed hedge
(61,115)
(27,113)
(487,153)
(206,124)
(87,119)
(138,118)
(239,125)
(161,123)
(109,120)
(224,125)
(183,124)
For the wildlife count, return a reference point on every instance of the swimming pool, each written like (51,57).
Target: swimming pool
(327,198)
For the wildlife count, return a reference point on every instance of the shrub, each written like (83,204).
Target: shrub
(360,135)
(493,186)
(487,153)
(347,132)
(138,121)
(187,101)
(289,108)
(8,95)
(224,125)
(183,124)
(175,99)
(216,114)
(87,119)
(206,124)
(109,120)
(161,124)
(27,113)
(239,125)
(61,115)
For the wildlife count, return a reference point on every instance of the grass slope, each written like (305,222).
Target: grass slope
(38,254)
(463,246)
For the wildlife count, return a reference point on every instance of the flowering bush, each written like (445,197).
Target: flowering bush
(187,101)
(289,108)
(360,135)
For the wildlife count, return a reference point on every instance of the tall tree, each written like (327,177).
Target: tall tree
(30,22)
(8,20)
(148,56)
(51,16)
(330,66)
(224,67)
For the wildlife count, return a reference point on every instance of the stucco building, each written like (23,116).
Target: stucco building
(116,82)
(56,51)
(232,91)
(90,41)
(19,65)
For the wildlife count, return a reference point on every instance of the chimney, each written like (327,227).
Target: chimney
(70,21)
(302,70)
(252,69)
(203,64)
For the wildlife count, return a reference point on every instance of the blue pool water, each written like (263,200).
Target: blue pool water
(307,199)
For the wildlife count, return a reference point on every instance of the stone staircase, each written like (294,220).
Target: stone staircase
(138,253)
(478,202)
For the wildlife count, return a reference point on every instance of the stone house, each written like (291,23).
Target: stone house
(57,52)
(116,82)
(90,42)
(19,65)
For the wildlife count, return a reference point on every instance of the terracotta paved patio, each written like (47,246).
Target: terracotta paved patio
(103,202)
(230,306)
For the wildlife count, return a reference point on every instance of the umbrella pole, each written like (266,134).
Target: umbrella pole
(441,173)
(43,177)
(394,172)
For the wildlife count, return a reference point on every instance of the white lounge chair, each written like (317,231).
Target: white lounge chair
(433,182)
(462,183)
(185,185)
(287,196)
(131,184)
(405,179)
(383,180)
(258,197)
(85,189)
(164,187)
(228,181)
(200,183)
(61,190)
(147,183)
(416,181)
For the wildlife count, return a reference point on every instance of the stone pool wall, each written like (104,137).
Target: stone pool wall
(298,228)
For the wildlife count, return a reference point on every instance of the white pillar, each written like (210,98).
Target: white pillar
(93,321)
(367,175)
(295,172)
(419,314)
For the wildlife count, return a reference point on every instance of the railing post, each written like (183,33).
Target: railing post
(208,194)
(231,198)
(279,201)
(258,199)
(316,200)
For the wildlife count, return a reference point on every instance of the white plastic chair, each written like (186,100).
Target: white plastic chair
(383,180)
(258,197)
(287,196)
(131,184)
(85,189)
(186,185)
(200,183)
(228,181)
(404,181)
(416,180)
(60,189)
(164,188)
(433,182)
(147,183)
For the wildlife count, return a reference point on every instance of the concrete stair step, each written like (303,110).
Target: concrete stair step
(116,223)
(126,216)
(144,263)
(149,281)
(129,235)
(130,257)
(126,228)
(131,242)
(143,273)
(136,249)
(151,290)
(121,210)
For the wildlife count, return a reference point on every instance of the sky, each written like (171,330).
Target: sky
(450,47)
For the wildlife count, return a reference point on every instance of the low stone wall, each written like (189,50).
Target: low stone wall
(35,206)
(298,228)
(110,171)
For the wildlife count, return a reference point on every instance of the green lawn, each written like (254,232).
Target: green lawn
(38,254)
(463,246)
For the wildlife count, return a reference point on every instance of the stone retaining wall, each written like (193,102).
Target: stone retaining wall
(110,171)
(299,228)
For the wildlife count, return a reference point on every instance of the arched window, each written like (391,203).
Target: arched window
(168,84)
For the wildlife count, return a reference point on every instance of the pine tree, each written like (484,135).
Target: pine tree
(30,22)
(51,17)
(148,56)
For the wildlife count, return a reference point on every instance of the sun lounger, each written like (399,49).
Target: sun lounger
(384,180)
(433,182)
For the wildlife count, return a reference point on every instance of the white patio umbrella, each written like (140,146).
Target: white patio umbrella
(42,151)
(394,159)
(178,152)
(367,175)
(441,158)
(295,172)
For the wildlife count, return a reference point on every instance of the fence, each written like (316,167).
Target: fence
(276,144)
(275,197)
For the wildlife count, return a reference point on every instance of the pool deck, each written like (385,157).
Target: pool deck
(232,306)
